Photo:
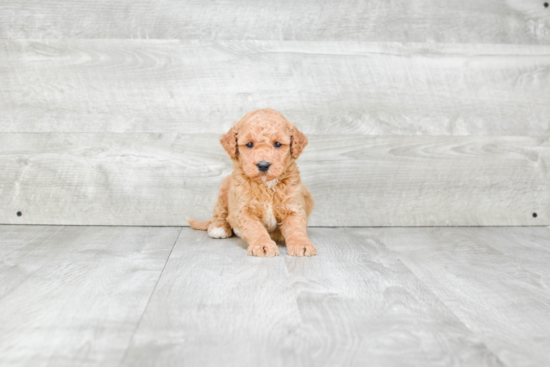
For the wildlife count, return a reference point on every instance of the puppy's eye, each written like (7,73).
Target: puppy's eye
(250,145)
(277,144)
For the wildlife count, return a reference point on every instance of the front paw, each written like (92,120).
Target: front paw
(263,250)
(301,248)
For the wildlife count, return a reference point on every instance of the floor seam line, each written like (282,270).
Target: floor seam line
(149,300)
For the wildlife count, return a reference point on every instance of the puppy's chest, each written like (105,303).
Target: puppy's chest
(268,217)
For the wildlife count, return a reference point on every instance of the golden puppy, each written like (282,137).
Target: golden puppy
(263,200)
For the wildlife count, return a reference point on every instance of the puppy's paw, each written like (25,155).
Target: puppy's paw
(302,248)
(216,231)
(264,250)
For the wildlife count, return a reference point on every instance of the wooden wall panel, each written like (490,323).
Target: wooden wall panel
(460,21)
(159,179)
(325,88)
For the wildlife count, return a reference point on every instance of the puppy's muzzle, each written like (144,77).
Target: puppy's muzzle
(263,166)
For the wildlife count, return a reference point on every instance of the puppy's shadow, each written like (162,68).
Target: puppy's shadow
(240,242)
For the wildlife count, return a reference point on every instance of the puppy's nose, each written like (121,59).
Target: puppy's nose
(263,166)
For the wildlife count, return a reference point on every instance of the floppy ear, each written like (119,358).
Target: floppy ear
(298,142)
(229,142)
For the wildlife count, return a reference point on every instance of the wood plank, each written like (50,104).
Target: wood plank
(324,87)
(159,179)
(361,306)
(527,245)
(502,297)
(215,306)
(467,21)
(17,242)
(75,294)
(383,296)
(353,304)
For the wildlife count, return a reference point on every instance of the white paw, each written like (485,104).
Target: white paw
(237,232)
(218,232)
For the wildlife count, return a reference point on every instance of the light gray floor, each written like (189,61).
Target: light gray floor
(171,296)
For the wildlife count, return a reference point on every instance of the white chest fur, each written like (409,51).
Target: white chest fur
(271,184)
(269,219)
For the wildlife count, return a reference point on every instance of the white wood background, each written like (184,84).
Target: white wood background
(419,113)
(456,21)
(159,179)
(324,87)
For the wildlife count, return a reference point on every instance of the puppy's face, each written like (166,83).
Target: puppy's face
(263,143)
(264,146)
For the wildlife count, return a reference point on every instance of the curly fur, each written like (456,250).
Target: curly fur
(263,207)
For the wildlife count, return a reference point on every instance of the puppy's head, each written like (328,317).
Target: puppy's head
(264,142)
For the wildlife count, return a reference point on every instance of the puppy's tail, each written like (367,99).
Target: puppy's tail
(199,224)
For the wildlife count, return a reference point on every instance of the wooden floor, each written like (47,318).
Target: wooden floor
(171,296)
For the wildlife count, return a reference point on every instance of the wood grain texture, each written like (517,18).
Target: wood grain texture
(324,87)
(360,305)
(478,273)
(215,306)
(159,179)
(352,305)
(17,242)
(72,296)
(86,296)
(529,246)
(468,21)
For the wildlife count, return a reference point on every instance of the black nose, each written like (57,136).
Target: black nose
(263,166)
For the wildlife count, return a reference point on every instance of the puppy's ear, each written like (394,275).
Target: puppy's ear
(298,142)
(229,142)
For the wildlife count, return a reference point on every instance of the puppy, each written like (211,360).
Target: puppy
(264,200)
